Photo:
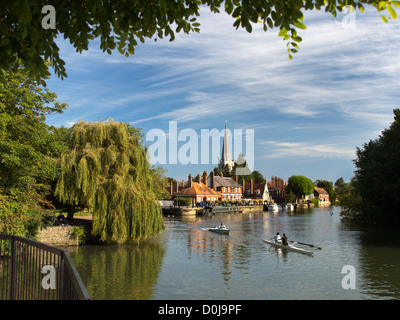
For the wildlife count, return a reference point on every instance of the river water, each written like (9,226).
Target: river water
(187,262)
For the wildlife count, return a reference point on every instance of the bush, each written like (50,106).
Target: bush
(80,233)
(315,202)
(22,218)
(183,201)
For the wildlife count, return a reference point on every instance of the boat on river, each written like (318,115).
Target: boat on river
(273,207)
(288,247)
(287,206)
(218,209)
(219,230)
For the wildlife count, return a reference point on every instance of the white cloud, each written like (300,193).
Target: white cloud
(306,150)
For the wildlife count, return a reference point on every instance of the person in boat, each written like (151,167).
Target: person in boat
(277,238)
(222,226)
(285,240)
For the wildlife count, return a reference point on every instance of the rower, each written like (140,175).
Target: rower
(284,240)
(277,238)
(222,226)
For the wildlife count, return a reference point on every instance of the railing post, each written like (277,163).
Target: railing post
(61,282)
(13,287)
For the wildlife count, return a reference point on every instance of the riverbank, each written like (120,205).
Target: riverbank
(65,236)
(193,211)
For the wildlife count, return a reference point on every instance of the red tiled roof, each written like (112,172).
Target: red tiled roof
(197,188)
(320,190)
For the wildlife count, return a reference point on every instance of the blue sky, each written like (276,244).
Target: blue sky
(308,114)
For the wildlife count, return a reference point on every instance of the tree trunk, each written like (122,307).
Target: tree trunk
(71,211)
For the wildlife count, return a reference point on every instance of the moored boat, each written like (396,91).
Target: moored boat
(273,207)
(288,247)
(287,207)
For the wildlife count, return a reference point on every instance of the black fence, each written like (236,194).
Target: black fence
(31,270)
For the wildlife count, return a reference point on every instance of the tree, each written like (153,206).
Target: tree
(106,170)
(28,146)
(121,24)
(300,186)
(339,182)
(159,182)
(258,177)
(377,176)
(350,201)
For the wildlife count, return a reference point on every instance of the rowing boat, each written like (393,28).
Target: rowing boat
(288,247)
(219,230)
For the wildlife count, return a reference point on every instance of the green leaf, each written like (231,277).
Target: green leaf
(283,32)
(270,23)
(384,19)
(248,27)
(297,38)
(392,12)
(294,44)
(300,25)
(290,57)
(395,3)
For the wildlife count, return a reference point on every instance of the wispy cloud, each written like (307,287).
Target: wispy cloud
(306,150)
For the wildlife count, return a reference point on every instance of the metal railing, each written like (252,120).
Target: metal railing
(31,270)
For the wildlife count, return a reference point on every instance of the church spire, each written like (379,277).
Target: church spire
(226,158)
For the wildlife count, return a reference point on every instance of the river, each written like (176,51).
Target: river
(187,262)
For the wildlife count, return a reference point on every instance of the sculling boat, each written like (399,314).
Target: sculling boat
(219,230)
(288,247)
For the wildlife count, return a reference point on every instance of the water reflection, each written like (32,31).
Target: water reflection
(380,261)
(119,272)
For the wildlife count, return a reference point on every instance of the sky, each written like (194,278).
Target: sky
(307,115)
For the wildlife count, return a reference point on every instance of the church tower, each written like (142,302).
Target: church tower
(226,158)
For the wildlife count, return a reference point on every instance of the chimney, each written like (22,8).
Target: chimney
(251,186)
(212,180)
(236,177)
(198,179)
(177,186)
(171,188)
(205,177)
(190,180)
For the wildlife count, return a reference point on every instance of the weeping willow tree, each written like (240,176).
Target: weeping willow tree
(106,169)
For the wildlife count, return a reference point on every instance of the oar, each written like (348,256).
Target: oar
(307,244)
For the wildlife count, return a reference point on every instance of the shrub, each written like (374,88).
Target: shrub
(183,201)
(80,233)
